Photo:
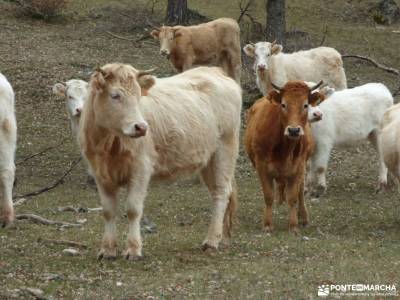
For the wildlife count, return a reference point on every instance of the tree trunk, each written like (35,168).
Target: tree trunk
(276,23)
(177,12)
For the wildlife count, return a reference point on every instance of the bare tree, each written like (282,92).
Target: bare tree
(177,12)
(276,22)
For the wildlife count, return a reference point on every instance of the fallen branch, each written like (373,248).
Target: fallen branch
(52,186)
(79,209)
(375,63)
(39,153)
(62,242)
(40,220)
(143,37)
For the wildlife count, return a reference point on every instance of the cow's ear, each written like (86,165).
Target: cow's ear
(249,50)
(177,33)
(98,80)
(316,98)
(146,82)
(155,34)
(275,97)
(59,89)
(276,49)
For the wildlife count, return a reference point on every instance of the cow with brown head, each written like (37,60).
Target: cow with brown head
(279,142)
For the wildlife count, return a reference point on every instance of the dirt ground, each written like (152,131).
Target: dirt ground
(354,235)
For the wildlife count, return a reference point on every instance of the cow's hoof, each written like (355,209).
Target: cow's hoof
(268,229)
(107,254)
(208,247)
(294,229)
(129,254)
(6,220)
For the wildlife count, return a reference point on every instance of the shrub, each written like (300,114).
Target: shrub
(43,9)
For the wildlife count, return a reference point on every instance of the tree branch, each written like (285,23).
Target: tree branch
(243,10)
(39,153)
(374,62)
(53,185)
(40,220)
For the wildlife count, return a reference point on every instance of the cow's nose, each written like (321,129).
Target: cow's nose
(164,52)
(141,129)
(78,111)
(317,114)
(294,131)
(261,67)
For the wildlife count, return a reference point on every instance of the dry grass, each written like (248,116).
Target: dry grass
(354,233)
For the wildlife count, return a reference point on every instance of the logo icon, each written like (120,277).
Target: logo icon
(323,290)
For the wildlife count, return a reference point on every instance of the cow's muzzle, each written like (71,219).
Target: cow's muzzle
(165,53)
(294,132)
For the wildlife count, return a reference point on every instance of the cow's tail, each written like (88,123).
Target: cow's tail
(230,210)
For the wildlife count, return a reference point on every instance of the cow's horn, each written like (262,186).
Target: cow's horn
(145,72)
(100,70)
(276,87)
(316,86)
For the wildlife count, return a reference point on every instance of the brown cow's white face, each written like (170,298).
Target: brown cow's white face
(117,90)
(294,100)
(261,52)
(167,36)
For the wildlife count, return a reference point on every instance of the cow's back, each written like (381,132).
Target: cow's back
(188,114)
(351,115)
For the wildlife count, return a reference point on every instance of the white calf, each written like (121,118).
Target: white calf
(8,141)
(271,65)
(390,141)
(75,93)
(349,116)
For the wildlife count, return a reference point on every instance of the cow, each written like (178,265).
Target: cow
(216,42)
(349,116)
(271,65)
(75,93)
(8,142)
(278,141)
(136,128)
(390,142)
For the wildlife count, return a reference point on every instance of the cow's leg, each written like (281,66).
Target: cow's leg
(6,204)
(187,64)
(319,165)
(135,200)
(109,202)
(303,214)
(219,179)
(293,188)
(267,184)
(374,138)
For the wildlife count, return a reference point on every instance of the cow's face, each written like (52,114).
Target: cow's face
(75,93)
(315,114)
(167,36)
(294,100)
(117,90)
(261,52)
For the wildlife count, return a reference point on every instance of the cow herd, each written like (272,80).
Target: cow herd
(133,127)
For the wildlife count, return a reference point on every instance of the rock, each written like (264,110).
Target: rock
(386,12)
(37,293)
(71,252)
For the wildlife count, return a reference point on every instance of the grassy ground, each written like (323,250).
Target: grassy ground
(354,233)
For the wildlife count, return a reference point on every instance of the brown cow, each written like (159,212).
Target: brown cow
(279,141)
(216,42)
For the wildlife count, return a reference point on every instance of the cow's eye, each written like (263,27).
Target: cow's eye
(115,96)
(283,105)
(305,106)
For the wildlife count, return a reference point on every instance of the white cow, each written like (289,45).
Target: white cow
(8,141)
(136,128)
(271,65)
(390,141)
(75,93)
(349,116)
